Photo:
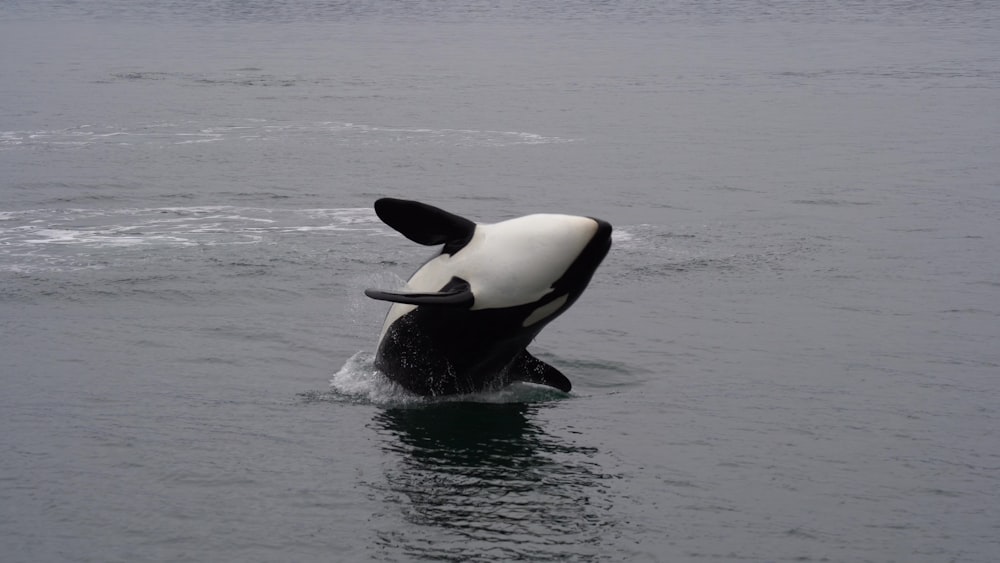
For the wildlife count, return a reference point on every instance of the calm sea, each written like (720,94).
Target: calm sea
(790,354)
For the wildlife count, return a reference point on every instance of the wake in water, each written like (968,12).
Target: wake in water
(359,381)
(56,238)
(260,130)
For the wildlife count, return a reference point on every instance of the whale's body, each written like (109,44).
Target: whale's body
(467,315)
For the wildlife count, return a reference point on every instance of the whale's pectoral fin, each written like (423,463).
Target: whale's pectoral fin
(456,293)
(424,224)
(526,367)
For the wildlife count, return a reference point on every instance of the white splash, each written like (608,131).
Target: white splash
(359,380)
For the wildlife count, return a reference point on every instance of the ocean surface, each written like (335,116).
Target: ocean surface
(791,353)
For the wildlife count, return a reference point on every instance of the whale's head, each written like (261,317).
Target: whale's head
(542,260)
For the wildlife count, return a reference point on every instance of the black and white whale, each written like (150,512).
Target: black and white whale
(467,315)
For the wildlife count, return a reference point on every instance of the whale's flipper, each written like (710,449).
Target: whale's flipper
(425,224)
(526,367)
(457,293)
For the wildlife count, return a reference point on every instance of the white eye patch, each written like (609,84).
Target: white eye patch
(544,311)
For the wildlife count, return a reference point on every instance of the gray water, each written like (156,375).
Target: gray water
(790,353)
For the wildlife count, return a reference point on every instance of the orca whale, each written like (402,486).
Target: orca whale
(467,315)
